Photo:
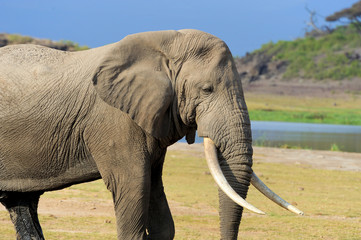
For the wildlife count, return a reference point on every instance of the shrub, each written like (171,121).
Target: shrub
(18,39)
(335,148)
(318,58)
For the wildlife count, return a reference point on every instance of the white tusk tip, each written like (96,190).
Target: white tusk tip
(260,212)
(257,183)
(295,210)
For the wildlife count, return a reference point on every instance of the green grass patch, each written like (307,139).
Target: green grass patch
(304,109)
(329,117)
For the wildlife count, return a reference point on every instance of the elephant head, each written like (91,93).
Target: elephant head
(172,83)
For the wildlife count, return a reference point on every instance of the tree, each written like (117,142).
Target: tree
(318,31)
(353,14)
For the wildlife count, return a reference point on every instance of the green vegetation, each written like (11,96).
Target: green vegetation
(324,116)
(335,148)
(325,57)
(304,109)
(332,211)
(73,45)
(62,44)
(18,39)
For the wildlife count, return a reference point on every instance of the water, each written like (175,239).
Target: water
(305,135)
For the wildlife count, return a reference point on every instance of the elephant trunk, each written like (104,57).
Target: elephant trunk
(230,161)
(238,174)
(230,164)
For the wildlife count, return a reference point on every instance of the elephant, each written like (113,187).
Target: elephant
(110,113)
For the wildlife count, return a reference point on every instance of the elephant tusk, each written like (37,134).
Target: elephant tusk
(257,183)
(213,165)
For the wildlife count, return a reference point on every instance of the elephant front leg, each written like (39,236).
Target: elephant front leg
(160,221)
(131,203)
(130,188)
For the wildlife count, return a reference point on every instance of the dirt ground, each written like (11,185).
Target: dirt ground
(310,88)
(316,159)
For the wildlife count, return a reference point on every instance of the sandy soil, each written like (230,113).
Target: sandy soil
(316,159)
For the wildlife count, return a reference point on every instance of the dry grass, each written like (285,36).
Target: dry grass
(330,199)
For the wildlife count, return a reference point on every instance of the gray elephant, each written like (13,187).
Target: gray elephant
(110,113)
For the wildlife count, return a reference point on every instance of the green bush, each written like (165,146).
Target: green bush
(319,58)
(335,148)
(18,39)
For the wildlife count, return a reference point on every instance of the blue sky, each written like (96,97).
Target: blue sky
(243,25)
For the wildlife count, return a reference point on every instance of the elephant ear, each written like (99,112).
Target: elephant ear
(134,77)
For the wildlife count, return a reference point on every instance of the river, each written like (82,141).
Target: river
(305,135)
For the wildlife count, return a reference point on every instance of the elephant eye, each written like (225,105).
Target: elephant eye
(207,89)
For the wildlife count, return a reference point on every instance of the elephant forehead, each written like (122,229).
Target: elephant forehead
(215,71)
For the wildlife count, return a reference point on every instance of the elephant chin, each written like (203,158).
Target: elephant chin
(213,165)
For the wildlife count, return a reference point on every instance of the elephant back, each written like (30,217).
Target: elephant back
(27,55)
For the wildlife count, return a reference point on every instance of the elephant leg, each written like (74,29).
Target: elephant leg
(129,182)
(131,203)
(160,221)
(23,213)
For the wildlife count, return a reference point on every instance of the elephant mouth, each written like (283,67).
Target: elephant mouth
(215,169)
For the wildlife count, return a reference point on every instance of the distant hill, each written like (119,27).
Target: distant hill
(9,39)
(336,56)
(331,61)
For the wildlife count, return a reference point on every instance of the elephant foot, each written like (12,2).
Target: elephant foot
(23,213)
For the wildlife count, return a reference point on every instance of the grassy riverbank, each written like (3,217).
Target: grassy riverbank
(304,109)
(332,210)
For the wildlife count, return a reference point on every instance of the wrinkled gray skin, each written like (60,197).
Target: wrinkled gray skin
(111,113)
